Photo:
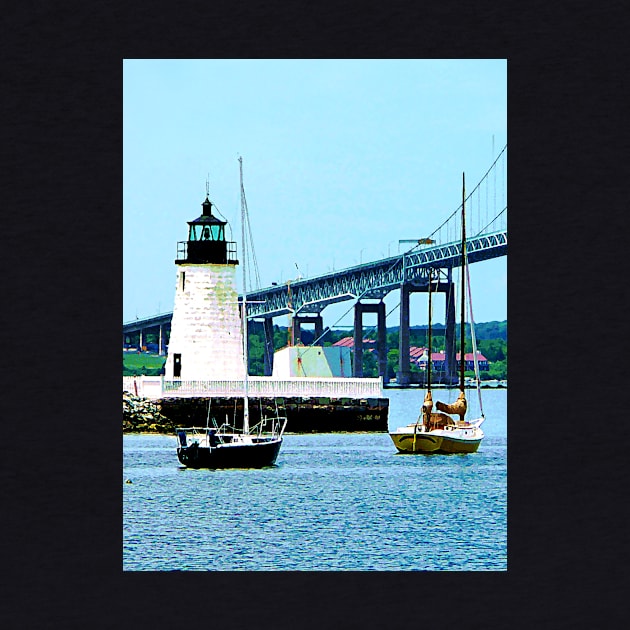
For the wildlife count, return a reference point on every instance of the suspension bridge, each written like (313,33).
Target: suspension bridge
(369,283)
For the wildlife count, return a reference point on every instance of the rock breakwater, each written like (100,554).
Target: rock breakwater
(140,415)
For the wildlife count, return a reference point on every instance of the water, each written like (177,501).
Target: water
(332,502)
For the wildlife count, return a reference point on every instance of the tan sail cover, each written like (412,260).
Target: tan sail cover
(458,407)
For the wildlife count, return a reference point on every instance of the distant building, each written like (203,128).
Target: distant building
(312,361)
(348,342)
(420,356)
(439,358)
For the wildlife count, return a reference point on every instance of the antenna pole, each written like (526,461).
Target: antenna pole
(244,308)
(462,362)
(430,349)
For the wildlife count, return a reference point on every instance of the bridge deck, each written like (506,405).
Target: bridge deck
(372,280)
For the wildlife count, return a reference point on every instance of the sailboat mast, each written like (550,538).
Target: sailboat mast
(463,314)
(429,337)
(244,308)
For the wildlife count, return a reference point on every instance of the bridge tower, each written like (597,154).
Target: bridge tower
(206,335)
(298,320)
(381,338)
(403,375)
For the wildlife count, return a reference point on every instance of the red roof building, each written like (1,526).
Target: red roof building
(348,342)
(438,359)
(416,355)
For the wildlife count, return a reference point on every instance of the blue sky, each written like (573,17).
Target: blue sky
(341,160)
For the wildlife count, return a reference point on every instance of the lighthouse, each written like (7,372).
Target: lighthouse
(206,336)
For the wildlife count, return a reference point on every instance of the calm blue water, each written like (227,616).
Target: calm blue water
(332,502)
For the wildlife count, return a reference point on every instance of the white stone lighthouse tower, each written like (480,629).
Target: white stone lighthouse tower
(206,336)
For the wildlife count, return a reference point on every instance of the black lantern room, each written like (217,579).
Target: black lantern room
(206,241)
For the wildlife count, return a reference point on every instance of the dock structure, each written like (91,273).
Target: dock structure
(312,405)
(155,387)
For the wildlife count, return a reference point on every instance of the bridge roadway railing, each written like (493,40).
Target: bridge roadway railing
(258,386)
(372,280)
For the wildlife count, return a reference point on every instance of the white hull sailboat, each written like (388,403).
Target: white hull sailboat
(445,430)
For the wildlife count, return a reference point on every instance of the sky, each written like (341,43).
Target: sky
(342,159)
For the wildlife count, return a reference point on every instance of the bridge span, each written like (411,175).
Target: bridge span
(371,280)
(369,283)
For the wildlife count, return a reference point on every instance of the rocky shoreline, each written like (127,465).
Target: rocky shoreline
(140,415)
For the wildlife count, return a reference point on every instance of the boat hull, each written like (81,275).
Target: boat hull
(434,442)
(256,455)
(453,445)
(423,443)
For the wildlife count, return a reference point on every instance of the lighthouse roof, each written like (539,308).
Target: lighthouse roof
(207,218)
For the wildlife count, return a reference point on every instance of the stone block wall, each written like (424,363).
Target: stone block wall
(206,324)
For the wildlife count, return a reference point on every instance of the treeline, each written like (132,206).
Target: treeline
(142,364)
(491,340)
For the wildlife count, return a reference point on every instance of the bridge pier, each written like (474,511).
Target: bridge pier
(403,375)
(268,353)
(297,322)
(381,338)
(449,340)
(161,342)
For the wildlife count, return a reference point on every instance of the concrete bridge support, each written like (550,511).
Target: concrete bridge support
(268,358)
(403,375)
(297,322)
(137,337)
(381,338)
(449,341)
(161,341)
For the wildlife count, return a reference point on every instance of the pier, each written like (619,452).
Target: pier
(312,405)
(156,387)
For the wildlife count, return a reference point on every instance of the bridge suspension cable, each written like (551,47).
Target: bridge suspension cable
(451,223)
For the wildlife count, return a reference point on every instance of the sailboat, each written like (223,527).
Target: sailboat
(225,446)
(446,430)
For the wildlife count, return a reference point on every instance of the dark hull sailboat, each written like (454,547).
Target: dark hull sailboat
(207,449)
(225,446)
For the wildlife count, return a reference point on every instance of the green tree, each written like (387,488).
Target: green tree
(493,349)
(392,339)
(280,337)
(370,365)
(418,337)
(256,354)
(498,370)
(392,362)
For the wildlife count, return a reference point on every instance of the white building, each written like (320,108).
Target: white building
(312,361)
